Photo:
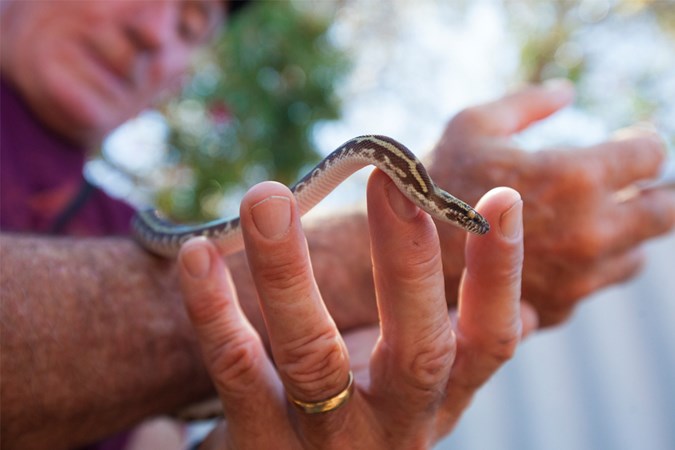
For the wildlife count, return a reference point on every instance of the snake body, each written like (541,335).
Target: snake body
(165,238)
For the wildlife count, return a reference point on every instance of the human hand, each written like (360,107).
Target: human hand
(579,236)
(424,369)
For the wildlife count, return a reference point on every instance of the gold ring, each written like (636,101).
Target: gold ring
(329,404)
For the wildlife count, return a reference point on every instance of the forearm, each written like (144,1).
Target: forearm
(95,337)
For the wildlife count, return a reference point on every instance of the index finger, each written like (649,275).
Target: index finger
(307,348)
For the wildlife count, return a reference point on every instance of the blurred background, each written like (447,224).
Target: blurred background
(289,81)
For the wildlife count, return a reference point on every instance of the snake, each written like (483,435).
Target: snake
(164,238)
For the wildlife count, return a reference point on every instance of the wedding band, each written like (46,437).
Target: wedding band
(329,404)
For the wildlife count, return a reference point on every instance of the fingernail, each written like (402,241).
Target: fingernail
(272,216)
(196,258)
(511,221)
(404,208)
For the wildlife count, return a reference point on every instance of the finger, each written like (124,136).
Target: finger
(624,225)
(489,312)
(233,353)
(528,316)
(489,319)
(650,214)
(628,158)
(519,110)
(608,271)
(307,348)
(412,361)
(559,305)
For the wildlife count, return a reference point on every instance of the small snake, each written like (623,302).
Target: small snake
(164,238)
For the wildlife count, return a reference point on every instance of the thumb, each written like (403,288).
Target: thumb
(518,110)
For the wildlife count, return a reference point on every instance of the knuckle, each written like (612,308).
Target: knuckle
(235,364)
(506,340)
(419,266)
(480,360)
(504,348)
(285,276)
(314,366)
(433,361)
(212,304)
(499,346)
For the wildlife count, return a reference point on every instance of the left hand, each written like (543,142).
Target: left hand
(423,371)
(578,237)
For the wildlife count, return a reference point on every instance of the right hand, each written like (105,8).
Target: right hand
(424,369)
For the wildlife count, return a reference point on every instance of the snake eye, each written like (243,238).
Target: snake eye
(472,214)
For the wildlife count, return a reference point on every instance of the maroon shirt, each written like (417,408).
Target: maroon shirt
(42,189)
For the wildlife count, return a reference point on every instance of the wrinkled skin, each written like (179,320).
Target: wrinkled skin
(579,237)
(424,368)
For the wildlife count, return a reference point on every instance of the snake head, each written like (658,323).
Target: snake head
(461,214)
(476,223)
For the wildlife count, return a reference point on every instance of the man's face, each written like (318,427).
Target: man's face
(85,67)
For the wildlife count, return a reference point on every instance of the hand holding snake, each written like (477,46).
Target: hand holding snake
(406,172)
(423,370)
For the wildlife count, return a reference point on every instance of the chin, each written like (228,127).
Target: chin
(78,121)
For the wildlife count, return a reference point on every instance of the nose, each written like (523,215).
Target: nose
(153,23)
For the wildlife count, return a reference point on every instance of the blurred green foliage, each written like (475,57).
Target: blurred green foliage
(248,112)
(556,39)
(549,31)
